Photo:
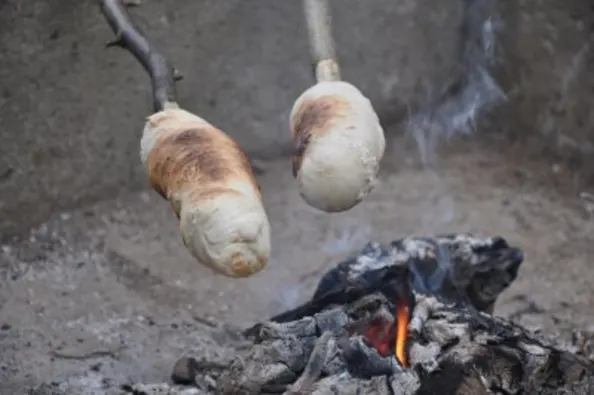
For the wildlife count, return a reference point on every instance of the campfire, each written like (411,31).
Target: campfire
(364,308)
(411,317)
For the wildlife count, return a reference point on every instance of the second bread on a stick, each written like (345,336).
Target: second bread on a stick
(338,143)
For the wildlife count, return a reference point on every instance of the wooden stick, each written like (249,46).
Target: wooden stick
(199,169)
(338,140)
(130,38)
(321,43)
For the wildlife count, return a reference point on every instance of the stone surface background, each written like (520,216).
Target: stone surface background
(103,268)
(545,66)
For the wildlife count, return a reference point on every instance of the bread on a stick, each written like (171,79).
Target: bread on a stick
(199,169)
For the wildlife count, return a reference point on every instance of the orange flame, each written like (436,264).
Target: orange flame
(402,315)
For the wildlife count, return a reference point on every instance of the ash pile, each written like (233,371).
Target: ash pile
(411,317)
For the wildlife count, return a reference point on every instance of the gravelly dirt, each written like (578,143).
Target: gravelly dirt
(114,281)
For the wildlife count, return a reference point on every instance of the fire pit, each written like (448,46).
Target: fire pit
(411,317)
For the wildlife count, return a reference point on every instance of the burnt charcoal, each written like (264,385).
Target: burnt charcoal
(476,269)
(329,320)
(448,353)
(507,359)
(185,371)
(349,385)
(389,280)
(159,389)
(364,362)
(333,320)
(454,345)
(335,362)
(460,268)
(343,340)
(371,257)
(583,343)
(274,361)
(315,366)
(304,327)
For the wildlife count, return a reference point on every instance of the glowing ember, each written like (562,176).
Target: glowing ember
(380,335)
(389,337)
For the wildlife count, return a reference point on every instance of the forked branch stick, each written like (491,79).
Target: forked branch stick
(157,66)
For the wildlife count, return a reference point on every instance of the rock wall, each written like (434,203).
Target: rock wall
(545,65)
(72,111)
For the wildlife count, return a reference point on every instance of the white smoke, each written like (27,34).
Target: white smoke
(457,112)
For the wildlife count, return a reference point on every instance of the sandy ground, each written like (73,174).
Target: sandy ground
(107,294)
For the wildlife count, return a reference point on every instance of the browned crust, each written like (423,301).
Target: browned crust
(313,118)
(241,268)
(202,157)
